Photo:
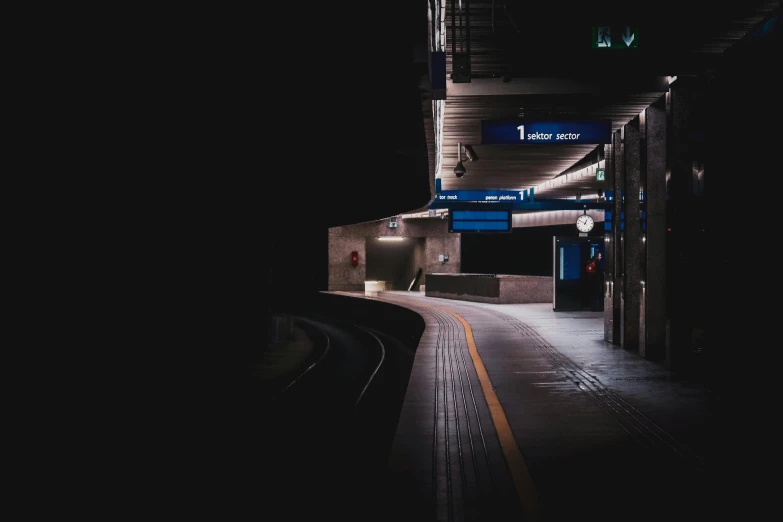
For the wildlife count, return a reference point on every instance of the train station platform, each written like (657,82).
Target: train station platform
(517,412)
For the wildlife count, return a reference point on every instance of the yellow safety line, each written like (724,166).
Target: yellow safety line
(516,462)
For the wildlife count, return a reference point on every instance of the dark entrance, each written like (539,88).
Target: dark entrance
(395,262)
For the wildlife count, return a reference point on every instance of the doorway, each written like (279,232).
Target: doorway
(394,261)
(571,285)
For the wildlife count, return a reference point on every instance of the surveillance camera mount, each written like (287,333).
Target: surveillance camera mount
(470,153)
(459,169)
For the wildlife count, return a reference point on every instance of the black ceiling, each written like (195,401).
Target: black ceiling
(552,38)
(356,148)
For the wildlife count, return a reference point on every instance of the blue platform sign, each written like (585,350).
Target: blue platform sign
(479,195)
(507,132)
(480,221)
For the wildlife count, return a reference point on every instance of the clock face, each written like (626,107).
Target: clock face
(584,223)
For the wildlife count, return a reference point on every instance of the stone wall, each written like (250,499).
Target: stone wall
(513,289)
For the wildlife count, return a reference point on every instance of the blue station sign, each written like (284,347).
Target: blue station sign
(509,196)
(507,132)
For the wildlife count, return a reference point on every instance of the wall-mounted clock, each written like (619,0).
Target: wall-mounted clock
(584,223)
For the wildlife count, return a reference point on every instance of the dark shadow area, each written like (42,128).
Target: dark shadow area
(329,458)
(619,482)
(293,347)
(743,138)
(276,147)
(526,251)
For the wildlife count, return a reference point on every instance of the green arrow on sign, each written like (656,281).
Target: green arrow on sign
(600,175)
(619,37)
(629,37)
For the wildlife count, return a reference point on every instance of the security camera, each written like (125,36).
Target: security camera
(600,192)
(507,76)
(472,156)
(460,170)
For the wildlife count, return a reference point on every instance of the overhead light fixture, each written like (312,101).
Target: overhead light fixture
(390,238)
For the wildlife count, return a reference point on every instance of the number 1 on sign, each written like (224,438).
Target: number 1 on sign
(521,130)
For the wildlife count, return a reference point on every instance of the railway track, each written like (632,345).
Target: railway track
(344,373)
(329,422)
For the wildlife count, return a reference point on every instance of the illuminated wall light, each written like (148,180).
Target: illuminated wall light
(390,238)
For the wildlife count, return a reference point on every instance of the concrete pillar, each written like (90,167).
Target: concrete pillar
(654,319)
(613,265)
(631,240)
(619,273)
(681,223)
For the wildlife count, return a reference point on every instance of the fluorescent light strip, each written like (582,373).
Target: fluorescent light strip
(391,238)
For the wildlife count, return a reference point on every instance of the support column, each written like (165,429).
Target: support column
(632,239)
(654,320)
(681,223)
(613,270)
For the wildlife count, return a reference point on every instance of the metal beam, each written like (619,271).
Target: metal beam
(554,217)
(526,86)
(551,204)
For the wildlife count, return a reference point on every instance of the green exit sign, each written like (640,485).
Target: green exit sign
(600,175)
(615,37)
